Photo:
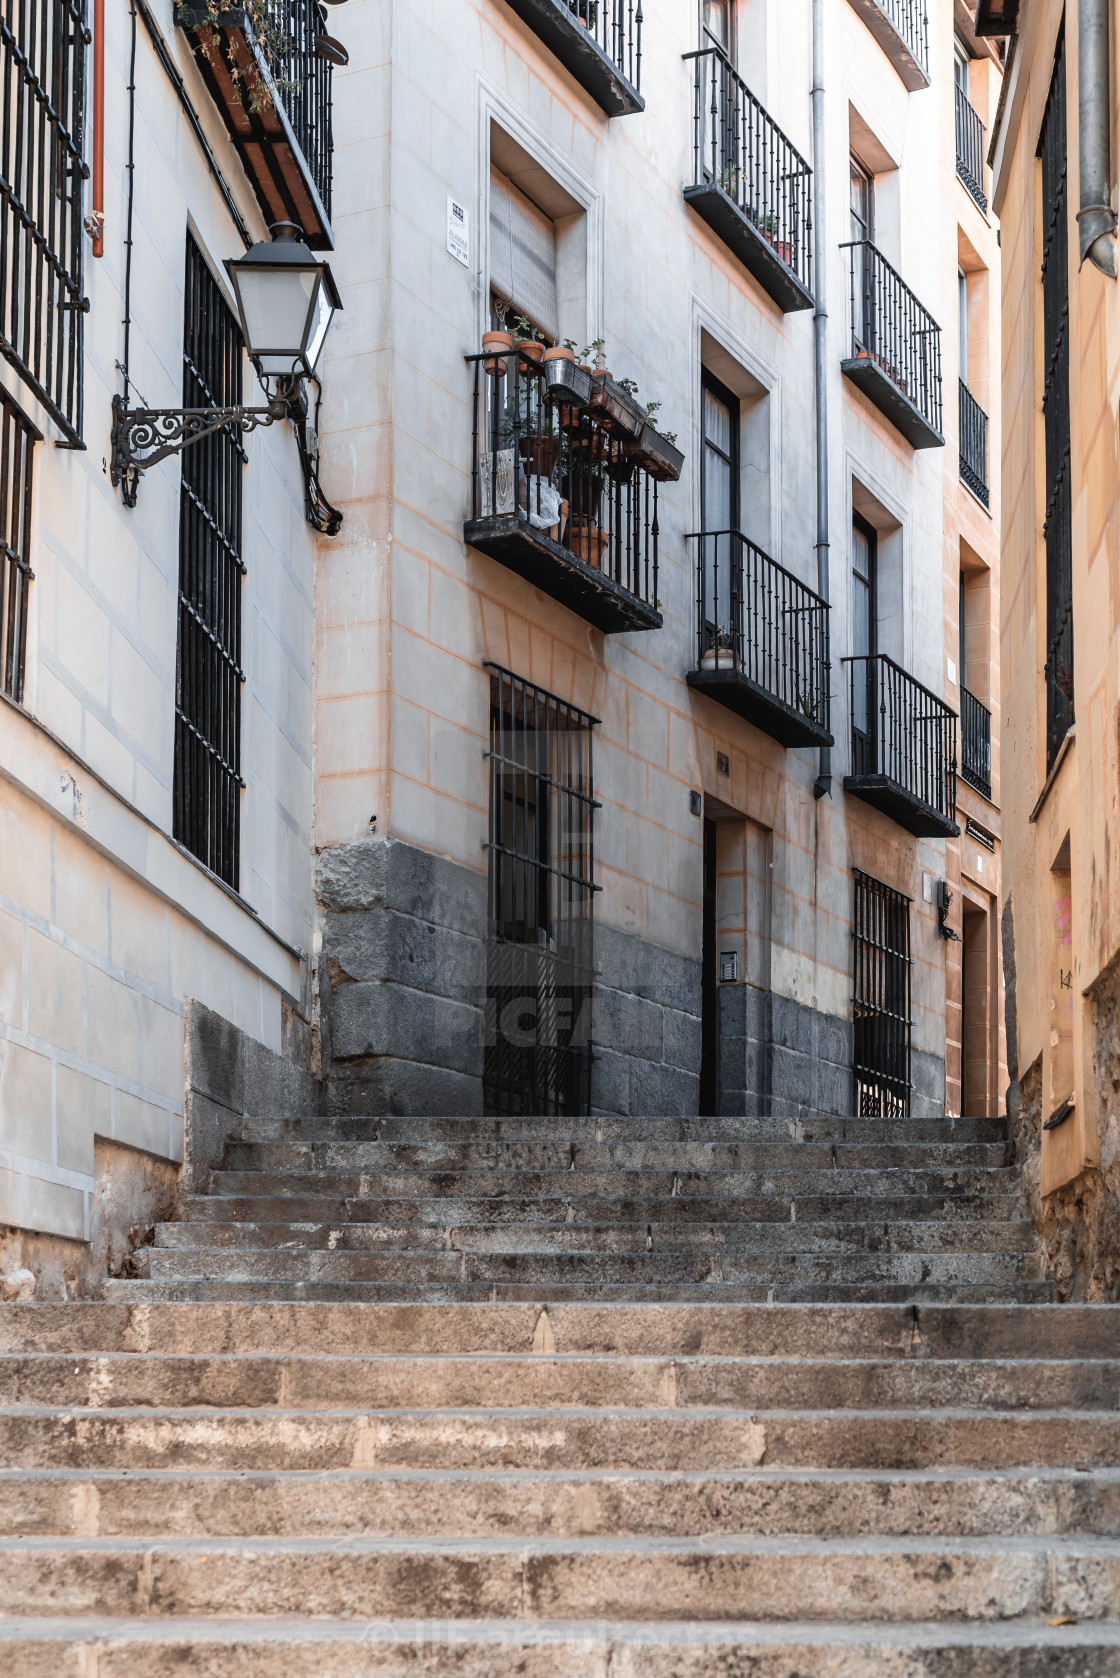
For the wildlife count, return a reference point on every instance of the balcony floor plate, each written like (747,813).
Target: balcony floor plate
(910,71)
(582,588)
(573,44)
(902,806)
(752,248)
(758,706)
(881,390)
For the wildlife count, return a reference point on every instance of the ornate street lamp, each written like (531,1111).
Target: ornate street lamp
(286,299)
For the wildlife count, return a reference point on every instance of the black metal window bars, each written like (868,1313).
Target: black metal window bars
(976,743)
(970,148)
(891,328)
(973,444)
(756,618)
(42,55)
(540,956)
(737,146)
(548,463)
(207,778)
(881,1005)
(1058,525)
(903,733)
(17,452)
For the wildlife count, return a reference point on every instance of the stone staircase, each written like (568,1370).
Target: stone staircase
(603,1455)
(735,1210)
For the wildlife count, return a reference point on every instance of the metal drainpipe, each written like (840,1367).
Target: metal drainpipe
(823,783)
(1096,223)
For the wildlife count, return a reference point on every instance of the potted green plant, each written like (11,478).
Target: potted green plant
(587,539)
(614,406)
(720,651)
(656,452)
(528,340)
(567,384)
(588,12)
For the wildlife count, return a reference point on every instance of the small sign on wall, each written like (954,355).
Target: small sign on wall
(458,232)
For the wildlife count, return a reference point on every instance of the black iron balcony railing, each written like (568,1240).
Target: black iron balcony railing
(558,499)
(970,148)
(904,747)
(973,444)
(762,640)
(1059,686)
(901,28)
(271,80)
(749,183)
(976,743)
(598,41)
(896,347)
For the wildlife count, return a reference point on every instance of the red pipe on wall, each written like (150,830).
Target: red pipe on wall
(98,216)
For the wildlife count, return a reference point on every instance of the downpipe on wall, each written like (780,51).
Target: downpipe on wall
(1096,220)
(823,785)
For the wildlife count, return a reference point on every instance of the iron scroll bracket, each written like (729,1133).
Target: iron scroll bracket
(142,437)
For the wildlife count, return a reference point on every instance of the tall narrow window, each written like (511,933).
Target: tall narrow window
(1055,407)
(522,258)
(721,584)
(962,324)
(962,69)
(540,964)
(865,613)
(17,449)
(207,795)
(42,66)
(862,227)
(719,24)
(881,1004)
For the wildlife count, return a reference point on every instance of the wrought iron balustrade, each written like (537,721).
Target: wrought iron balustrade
(970,148)
(267,76)
(973,444)
(559,499)
(598,41)
(739,154)
(904,747)
(976,743)
(762,640)
(896,346)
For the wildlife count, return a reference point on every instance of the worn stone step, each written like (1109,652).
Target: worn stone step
(724,1577)
(403,1502)
(565,1155)
(198,1289)
(168,1647)
(973,1237)
(871,1331)
(647,1268)
(621,1184)
(572,1438)
(290,1382)
(438,1211)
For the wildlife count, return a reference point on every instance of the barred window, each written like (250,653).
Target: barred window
(17,450)
(207,793)
(1055,407)
(540,963)
(42,54)
(881,1005)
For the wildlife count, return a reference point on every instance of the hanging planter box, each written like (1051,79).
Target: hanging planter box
(657,456)
(615,409)
(569,386)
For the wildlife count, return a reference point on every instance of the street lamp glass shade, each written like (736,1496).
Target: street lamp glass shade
(286,300)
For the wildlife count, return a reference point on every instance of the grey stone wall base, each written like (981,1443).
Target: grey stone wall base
(402,979)
(810,1061)
(646,1027)
(230,1077)
(927,1075)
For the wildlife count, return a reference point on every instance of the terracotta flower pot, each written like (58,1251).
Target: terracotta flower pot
(588,543)
(559,352)
(496,365)
(531,348)
(542,453)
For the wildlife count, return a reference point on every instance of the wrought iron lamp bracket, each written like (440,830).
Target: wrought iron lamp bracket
(141,437)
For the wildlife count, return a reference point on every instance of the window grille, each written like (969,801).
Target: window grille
(540,962)
(17,448)
(42,53)
(207,795)
(881,1005)
(1055,408)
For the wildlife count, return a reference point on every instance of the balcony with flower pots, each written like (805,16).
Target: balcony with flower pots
(599,42)
(896,347)
(564,479)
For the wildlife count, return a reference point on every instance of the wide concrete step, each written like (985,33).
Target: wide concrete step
(252,1380)
(439,1211)
(620,1184)
(650,1268)
(1010,1236)
(615,1128)
(404,1502)
(570,1439)
(565,1155)
(725,1577)
(169,1646)
(185,1290)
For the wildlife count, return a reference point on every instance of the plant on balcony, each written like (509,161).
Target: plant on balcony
(529,339)
(260,21)
(587,539)
(588,13)
(657,452)
(720,652)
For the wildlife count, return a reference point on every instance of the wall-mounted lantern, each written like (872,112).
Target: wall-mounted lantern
(286,299)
